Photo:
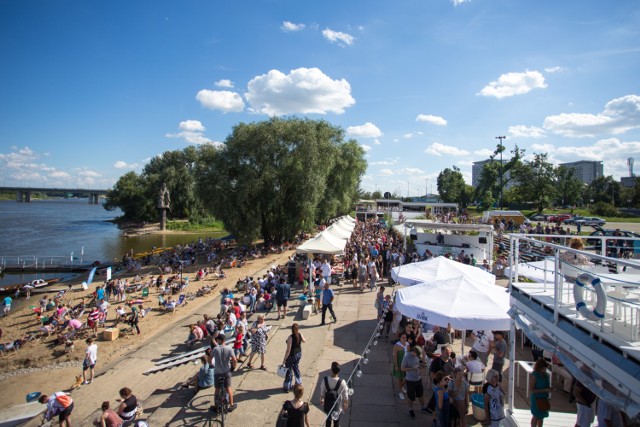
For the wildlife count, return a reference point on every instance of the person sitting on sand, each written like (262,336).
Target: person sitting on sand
(195,335)
(170,304)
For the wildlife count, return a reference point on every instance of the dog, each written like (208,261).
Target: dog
(78,382)
(69,346)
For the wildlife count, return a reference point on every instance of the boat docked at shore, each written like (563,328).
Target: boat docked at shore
(34,285)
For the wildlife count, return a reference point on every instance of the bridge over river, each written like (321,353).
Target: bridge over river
(23,194)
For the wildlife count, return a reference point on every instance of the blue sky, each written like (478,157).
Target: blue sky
(91,90)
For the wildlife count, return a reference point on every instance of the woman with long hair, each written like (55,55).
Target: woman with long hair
(297,410)
(292,357)
(108,418)
(400,348)
(259,336)
(129,406)
(539,389)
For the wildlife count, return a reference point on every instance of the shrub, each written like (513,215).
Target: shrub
(604,209)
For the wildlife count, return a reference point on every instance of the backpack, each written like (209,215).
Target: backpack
(63,400)
(330,396)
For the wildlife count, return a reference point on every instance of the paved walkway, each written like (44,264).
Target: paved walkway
(259,393)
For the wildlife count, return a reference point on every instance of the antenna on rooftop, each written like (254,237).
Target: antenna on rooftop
(630,164)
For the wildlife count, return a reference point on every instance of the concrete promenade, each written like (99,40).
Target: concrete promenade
(259,393)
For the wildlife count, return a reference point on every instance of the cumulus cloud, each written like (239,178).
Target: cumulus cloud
(121,164)
(367,130)
(438,149)
(224,83)
(384,163)
(291,27)
(302,91)
(366,147)
(191,126)
(377,141)
(521,131)
(338,37)
(436,120)
(386,172)
(459,2)
(223,100)
(22,166)
(619,116)
(511,84)
(411,134)
(411,171)
(485,152)
(191,131)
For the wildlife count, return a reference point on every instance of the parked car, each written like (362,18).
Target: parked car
(631,244)
(572,220)
(591,221)
(538,217)
(559,217)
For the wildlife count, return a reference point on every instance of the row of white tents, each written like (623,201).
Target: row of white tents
(438,291)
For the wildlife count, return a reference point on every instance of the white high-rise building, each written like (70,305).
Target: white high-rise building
(586,170)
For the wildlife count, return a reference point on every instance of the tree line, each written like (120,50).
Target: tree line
(269,180)
(536,183)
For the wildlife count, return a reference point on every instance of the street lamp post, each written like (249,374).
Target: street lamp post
(501,173)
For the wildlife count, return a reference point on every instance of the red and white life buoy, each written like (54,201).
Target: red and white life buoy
(601,297)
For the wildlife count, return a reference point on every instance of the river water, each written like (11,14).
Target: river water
(58,227)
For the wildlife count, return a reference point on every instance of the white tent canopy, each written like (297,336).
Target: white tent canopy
(459,301)
(338,231)
(346,224)
(437,269)
(323,243)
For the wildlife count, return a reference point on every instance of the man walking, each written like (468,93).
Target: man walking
(327,302)
(482,343)
(225,362)
(90,359)
(411,367)
(499,353)
(283,292)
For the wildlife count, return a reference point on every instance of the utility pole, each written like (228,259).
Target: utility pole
(501,166)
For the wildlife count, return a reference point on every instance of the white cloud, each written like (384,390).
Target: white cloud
(438,149)
(377,141)
(224,100)
(224,83)
(384,163)
(410,171)
(120,164)
(459,2)
(552,70)
(367,130)
(338,37)
(411,134)
(465,162)
(191,126)
(485,152)
(619,116)
(192,131)
(521,131)
(87,173)
(59,174)
(302,91)
(436,120)
(386,172)
(366,147)
(511,84)
(22,166)
(290,27)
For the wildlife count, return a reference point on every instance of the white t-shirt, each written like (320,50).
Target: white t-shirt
(92,353)
(483,340)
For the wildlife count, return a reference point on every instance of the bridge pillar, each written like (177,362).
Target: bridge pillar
(27,197)
(19,196)
(93,198)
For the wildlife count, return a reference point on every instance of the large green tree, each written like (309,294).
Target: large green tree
(452,188)
(491,185)
(569,187)
(128,194)
(273,178)
(536,181)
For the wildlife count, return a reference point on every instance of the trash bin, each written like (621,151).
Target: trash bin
(477,403)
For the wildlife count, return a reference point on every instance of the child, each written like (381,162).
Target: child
(238,348)
(318,297)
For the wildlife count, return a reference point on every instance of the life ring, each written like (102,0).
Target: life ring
(601,297)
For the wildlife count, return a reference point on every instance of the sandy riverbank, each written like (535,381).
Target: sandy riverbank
(43,366)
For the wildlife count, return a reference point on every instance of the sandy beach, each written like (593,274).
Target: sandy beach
(43,366)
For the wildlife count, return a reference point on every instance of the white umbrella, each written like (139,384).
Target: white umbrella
(461,302)
(440,268)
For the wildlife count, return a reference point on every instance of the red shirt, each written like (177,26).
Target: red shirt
(238,342)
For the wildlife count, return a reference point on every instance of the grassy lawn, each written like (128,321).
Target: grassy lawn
(206,224)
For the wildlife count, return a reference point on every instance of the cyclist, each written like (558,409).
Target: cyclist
(225,363)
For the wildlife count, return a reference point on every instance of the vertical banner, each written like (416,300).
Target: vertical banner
(91,274)
(108,274)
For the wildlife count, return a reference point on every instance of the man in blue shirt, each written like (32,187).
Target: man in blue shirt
(283,292)
(327,302)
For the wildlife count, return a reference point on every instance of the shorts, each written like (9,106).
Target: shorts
(585,415)
(65,413)
(414,389)
(86,365)
(281,303)
(224,378)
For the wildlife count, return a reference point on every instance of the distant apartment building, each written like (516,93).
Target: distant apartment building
(586,170)
(476,172)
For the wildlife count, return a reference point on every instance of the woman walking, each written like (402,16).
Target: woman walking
(292,357)
(442,399)
(539,388)
(459,392)
(259,335)
(297,410)
(399,350)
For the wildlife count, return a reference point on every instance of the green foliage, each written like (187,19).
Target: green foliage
(452,188)
(202,223)
(128,194)
(488,190)
(569,188)
(276,177)
(536,181)
(604,209)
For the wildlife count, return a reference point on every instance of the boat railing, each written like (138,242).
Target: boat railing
(36,262)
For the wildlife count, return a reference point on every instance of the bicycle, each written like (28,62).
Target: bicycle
(221,400)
